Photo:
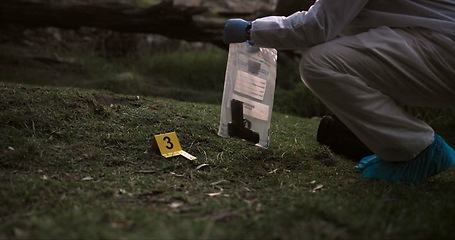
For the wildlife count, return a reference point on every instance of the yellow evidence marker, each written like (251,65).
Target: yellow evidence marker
(169,146)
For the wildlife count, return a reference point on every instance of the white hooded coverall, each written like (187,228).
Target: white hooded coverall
(366,59)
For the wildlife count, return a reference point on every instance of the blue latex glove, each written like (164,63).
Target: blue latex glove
(235,31)
(435,159)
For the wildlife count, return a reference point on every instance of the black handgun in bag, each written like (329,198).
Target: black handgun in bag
(240,127)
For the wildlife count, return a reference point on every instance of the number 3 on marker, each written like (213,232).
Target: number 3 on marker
(168,144)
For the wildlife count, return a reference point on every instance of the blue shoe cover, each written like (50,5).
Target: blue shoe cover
(433,160)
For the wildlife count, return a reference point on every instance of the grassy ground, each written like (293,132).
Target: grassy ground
(77,163)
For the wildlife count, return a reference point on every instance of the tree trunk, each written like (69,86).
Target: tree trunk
(288,7)
(163,19)
(166,18)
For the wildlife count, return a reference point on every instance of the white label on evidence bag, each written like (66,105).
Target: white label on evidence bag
(253,108)
(250,85)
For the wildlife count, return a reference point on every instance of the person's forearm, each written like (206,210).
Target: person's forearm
(323,22)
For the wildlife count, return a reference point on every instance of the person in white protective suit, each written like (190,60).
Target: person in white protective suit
(365,60)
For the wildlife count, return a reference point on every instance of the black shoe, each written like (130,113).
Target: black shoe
(333,133)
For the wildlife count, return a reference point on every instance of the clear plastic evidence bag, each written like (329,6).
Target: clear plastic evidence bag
(249,87)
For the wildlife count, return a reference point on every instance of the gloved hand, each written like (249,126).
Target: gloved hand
(235,31)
